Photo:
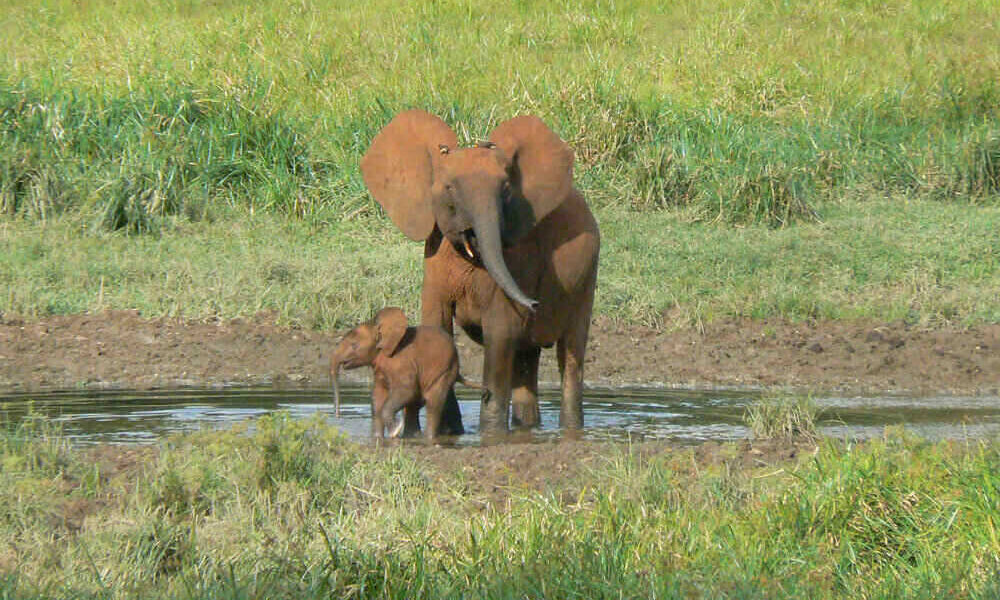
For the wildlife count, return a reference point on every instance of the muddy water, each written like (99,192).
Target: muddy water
(618,414)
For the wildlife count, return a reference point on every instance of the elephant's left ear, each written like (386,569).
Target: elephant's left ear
(541,169)
(391,325)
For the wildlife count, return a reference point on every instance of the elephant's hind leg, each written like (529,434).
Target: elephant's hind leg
(435,400)
(571,350)
(524,395)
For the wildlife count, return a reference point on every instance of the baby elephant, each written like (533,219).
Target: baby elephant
(414,367)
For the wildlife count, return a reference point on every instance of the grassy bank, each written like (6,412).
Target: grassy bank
(917,260)
(799,160)
(294,509)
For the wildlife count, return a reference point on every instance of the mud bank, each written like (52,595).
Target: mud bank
(121,348)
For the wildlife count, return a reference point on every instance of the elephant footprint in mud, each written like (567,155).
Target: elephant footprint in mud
(510,252)
(413,367)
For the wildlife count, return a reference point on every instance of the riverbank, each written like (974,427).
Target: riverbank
(124,349)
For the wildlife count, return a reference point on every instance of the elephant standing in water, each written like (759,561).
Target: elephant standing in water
(510,252)
(413,367)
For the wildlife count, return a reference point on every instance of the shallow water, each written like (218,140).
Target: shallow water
(687,416)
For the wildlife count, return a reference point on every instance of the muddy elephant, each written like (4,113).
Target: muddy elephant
(510,251)
(413,367)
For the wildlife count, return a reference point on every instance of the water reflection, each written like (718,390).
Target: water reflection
(122,416)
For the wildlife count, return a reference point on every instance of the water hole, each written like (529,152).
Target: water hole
(684,416)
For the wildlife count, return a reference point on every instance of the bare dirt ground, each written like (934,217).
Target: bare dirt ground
(123,349)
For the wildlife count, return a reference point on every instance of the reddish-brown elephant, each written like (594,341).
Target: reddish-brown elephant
(413,367)
(510,251)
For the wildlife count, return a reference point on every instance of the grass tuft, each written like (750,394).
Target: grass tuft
(980,164)
(660,179)
(775,195)
(783,417)
(135,159)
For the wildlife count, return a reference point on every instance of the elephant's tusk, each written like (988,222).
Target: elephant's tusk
(468,249)
(397,429)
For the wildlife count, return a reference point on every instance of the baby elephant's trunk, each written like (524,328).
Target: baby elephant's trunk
(335,380)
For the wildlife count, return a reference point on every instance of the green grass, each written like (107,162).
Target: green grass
(801,159)
(292,509)
(131,159)
(747,115)
(917,260)
(782,417)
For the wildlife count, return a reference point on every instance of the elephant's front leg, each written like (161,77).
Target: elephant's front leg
(399,397)
(524,396)
(380,393)
(499,349)
(570,355)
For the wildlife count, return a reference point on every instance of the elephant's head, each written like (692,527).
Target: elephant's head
(482,198)
(362,345)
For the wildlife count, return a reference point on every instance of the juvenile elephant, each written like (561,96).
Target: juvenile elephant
(414,367)
(510,251)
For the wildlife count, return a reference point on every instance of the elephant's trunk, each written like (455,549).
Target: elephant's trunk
(491,253)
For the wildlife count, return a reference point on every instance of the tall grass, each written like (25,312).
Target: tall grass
(131,160)
(746,116)
(293,509)
(134,160)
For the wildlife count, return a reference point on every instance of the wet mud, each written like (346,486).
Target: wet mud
(124,349)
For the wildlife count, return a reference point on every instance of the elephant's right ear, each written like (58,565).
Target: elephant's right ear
(391,324)
(399,169)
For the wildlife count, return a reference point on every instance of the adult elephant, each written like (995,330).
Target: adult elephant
(510,251)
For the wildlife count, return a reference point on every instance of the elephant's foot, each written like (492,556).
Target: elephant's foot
(525,415)
(493,414)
